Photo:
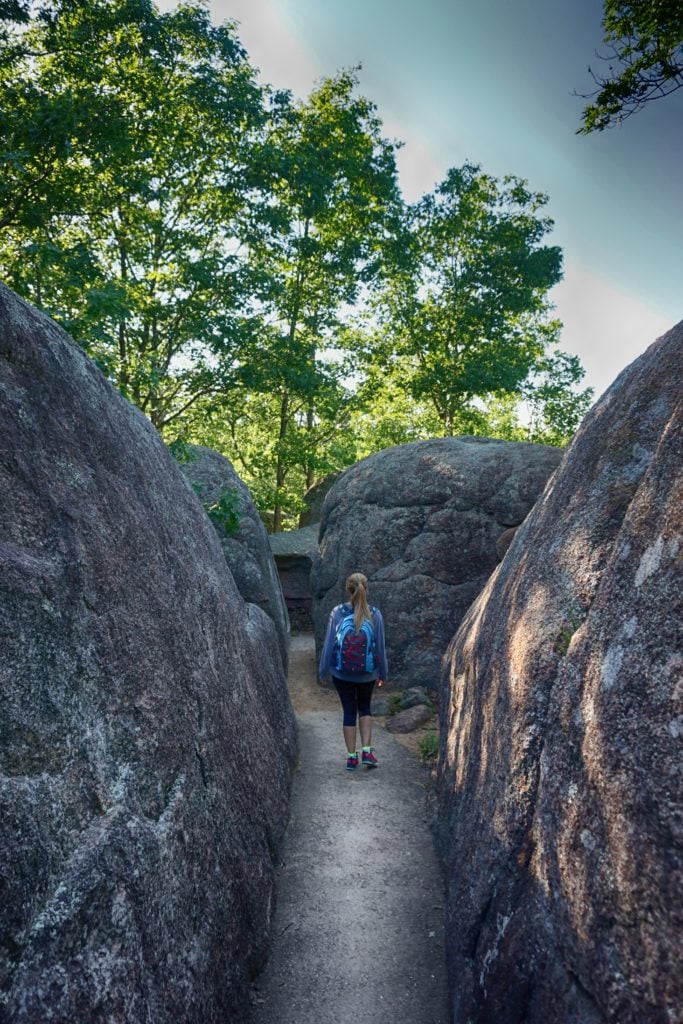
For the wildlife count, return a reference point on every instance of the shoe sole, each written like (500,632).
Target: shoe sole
(367,765)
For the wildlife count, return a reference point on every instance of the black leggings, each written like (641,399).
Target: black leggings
(355,698)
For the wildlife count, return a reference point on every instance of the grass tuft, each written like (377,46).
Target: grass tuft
(428,746)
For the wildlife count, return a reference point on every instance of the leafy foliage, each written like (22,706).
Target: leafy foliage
(555,403)
(645,55)
(246,433)
(465,308)
(141,262)
(57,120)
(225,512)
(241,264)
(182,451)
(333,193)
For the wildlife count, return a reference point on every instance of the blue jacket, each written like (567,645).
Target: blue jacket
(326,667)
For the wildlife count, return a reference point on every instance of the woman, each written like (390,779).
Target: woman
(354,656)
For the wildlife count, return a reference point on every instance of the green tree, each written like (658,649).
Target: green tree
(547,409)
(645,56)
(53,124)
(243,431)
(555,401)
(385,414)
(333,196)
(146,267)
(465,307)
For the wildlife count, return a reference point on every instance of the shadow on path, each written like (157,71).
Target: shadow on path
(358,929)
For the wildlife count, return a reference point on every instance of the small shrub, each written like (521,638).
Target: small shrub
(428,746)
(562,642)
(226,511)
(394,702)
(181,450)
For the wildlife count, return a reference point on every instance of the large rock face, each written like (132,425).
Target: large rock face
(246,550)
(559,787)
(147,740)
(294,551)
(422,521)
(315,498)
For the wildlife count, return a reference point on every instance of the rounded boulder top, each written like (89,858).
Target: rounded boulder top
(422,521)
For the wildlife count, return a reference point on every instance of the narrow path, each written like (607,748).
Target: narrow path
(358,929)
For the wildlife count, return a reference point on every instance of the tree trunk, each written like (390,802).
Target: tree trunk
(310,468)
(123,359)
(280,471)
(123,375)
(156,413)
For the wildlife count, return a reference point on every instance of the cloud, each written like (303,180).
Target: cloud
(606,327)
(270,43)
(272,46)
(418,167)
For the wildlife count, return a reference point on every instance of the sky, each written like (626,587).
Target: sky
(494,82)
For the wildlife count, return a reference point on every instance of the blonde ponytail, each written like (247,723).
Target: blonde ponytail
(357,589)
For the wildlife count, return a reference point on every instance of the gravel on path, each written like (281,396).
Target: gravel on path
(358,929)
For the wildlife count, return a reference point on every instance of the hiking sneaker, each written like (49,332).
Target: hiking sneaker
(352,762)
(369,759)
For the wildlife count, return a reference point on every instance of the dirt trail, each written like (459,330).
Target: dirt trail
(358,929)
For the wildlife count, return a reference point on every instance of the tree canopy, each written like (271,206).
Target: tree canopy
(138,254)
(644,41)
(241,264)
(465,305)
(333,194)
